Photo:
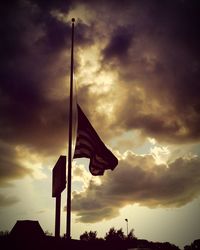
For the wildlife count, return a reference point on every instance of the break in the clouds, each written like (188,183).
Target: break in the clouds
(139,180)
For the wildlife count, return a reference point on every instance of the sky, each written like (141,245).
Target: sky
(137,69)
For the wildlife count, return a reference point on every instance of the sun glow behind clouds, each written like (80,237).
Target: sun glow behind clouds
(104,81)
(79,12)
(89,64)
(160,154)
(32,161)
(90,72)
(85,14)
(81,176)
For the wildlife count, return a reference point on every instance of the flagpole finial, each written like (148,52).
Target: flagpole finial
(73,20)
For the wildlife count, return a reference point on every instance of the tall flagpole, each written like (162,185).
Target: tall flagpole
(68,224)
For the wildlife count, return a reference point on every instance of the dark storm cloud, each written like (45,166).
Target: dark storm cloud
(160,70)
(9,168)
(26,68)
(34,68)
(46,6)
(119,43)
(139,180)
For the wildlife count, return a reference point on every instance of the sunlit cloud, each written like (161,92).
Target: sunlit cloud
(152,140)
(10,168)
(83,12)
(139,180)
(31,161)
(82,175)
(161,154)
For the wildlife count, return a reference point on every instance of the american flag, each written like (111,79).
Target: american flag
(89,145)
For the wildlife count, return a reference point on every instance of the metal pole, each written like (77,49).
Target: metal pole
(127,226)
(57,222)
(68,224)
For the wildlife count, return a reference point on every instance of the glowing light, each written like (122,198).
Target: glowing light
(30,160)
(160,154)
(152,140)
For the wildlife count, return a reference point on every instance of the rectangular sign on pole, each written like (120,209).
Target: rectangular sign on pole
(59,176)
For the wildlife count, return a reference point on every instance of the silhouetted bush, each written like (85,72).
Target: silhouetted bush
(195,245)
(89,236)
(115,235)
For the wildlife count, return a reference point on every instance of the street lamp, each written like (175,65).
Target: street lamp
(127,225)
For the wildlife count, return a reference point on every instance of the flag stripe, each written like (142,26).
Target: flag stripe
(82,143)
(84,149)
(83,135)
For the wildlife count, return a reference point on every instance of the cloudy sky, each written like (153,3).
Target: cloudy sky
(137,71)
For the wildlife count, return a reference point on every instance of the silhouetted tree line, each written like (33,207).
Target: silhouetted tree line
(130,241)
(114,239)
(112,235)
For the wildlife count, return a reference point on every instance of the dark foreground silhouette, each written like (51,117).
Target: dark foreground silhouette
(51,243)
(29,235)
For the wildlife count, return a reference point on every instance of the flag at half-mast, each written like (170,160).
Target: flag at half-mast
(89,145)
